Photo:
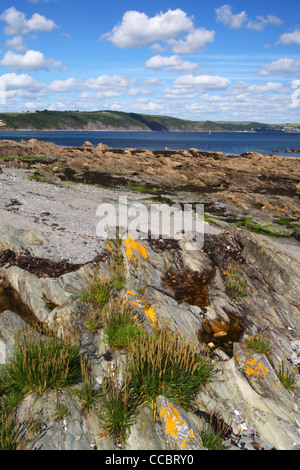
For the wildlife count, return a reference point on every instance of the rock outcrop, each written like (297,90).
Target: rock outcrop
(245,391)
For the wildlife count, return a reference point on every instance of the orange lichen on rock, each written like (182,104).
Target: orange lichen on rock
(174,424)
(148,309)
(173,420)
(151,314)
(132,246)
(254,367)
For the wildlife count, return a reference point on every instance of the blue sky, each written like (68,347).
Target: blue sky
(198,60)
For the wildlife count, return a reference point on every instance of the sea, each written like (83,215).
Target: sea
(230,143)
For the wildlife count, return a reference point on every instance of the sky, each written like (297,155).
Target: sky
(197,60)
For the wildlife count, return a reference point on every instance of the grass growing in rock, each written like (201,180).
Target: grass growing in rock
(259,344)
(9,433)
(88,395)
(39,363)
(119,327)
(98,293)
(166,364)
(287,375)
(235,281)
(119,407)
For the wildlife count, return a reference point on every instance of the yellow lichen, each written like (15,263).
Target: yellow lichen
(151,314)
(133,245)
(173,420)
(254,367)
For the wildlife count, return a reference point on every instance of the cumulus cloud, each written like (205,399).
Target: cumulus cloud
(64,86)
(174,28)
(281,66)
(12,81)
(194,41)
(173,63)
(289,39)
(226,16)
(30,61)
(189,86)
(16,43)
(137,29)
(109,82)
(18,25)
(260,22)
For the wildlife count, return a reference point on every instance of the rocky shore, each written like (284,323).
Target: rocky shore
(241,286)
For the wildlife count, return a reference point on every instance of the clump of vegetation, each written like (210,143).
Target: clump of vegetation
(98,293)
(165,364)
(212,440)
(120,330)
(93,322)
(61,412)
(214,431)
(36,177)
(9,433)
(39,363)
(287,222)
(235,281)
(119,407)
(287,375)
(261,229)
(259,344)
(88,395)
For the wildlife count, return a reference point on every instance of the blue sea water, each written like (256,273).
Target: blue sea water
(230,143)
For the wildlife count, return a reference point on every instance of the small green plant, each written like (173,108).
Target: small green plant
(165,364)
(287,375)
(40,363)
(9,434)
(119,327)
(118,281)
(259,344)
(88,395)
(119,407)
(93,322)
(214,431)
(235,281)
(61,412)
(98,293)
(212,440)
(36,177)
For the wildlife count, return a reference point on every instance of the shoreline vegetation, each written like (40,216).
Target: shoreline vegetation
(106,120)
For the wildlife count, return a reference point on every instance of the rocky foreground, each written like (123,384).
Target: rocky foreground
(243,283)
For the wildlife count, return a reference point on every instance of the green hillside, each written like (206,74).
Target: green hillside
(117,120)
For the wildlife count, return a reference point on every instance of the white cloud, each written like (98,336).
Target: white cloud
(137,29)
(225,16)
(16,43)
(18,25)
(281,66)
(189,86)
(194,41)
(12,81)
(236,21)
(110,82)
(260,22)
(289,39)
(173,63)
(64,86)
(31,60)
(203,82)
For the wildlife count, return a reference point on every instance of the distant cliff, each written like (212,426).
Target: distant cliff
(117,120)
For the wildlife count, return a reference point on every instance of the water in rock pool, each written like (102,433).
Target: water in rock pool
(10,300)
